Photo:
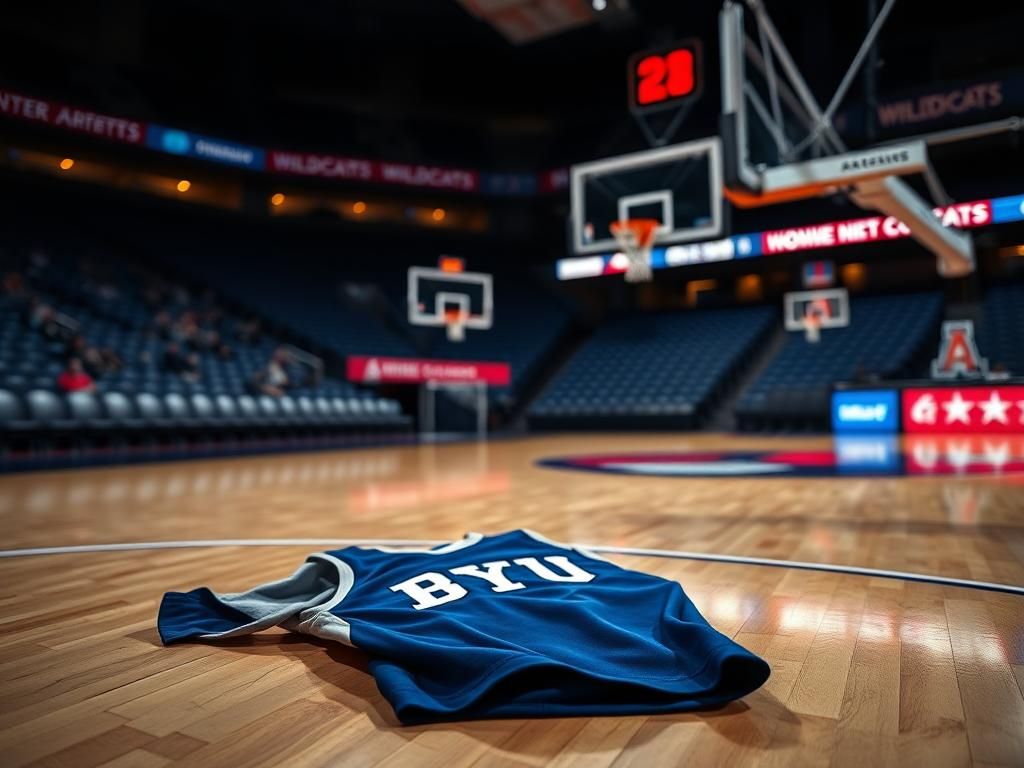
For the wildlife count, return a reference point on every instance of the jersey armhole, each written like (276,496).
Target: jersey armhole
(318,620)
(346,580)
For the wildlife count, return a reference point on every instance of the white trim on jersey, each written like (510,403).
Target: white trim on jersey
(468,540)
(572,548)
(319,621)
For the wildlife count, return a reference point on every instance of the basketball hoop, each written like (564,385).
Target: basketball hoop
(455,322)
(636,238)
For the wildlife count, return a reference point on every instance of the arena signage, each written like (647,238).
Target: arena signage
(324,166)
(830,234)
(964,410)
(865,411)
(177,142)
(71,118)
(409,370)
(954,104)
(869,230)
(357,169)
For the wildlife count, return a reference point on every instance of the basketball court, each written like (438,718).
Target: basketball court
(866,669)
(876,564)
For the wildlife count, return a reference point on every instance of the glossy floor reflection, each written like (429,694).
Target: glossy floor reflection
(866,671)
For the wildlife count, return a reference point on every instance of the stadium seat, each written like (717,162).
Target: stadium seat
(249,411)
(651,370)
(120,412)
(151,411)
(48,410)
(13,417)
(204,410)
(84,409)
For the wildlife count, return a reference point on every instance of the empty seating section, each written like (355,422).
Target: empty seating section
(884,338)
(309,301)
(654,370)
(1001,336)
(302,295)
(140,396)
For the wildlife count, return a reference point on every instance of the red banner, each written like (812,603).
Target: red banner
(326,166)
(459,179)
(976,410)
(411,370)
(869,230)
(382,172)
(71,118)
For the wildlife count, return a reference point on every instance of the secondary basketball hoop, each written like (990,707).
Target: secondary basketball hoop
(636,238)
(814,311)
(450,297)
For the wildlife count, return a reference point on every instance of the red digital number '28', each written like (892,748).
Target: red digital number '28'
(664,77)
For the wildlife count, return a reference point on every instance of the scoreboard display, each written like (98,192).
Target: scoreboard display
(666,77)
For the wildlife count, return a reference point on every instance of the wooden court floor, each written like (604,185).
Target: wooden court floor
(866,671)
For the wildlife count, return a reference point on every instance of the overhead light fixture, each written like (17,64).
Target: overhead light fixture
(600,5)
(67,164)
(359,207)
(184,185)
(277,198)
(438,214)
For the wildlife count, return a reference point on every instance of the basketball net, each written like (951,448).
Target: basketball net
(636,238)
(455,322)
(812,327)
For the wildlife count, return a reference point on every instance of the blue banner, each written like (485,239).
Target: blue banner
(866,410)
(177,142)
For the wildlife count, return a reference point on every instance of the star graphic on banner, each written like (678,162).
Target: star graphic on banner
(994,409)
(957,409)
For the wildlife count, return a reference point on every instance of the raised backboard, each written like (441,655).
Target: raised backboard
(433,292)
(831,307)
(679,185)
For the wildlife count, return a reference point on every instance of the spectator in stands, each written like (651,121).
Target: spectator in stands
(248,331)
(74,378)
(176,362)
(41,317)
(186,330)
(162,323)
(97,362)
(273,379)
(209,340)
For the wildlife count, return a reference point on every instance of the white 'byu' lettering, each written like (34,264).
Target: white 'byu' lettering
(431,589)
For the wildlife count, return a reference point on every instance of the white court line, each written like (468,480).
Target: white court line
(425,543)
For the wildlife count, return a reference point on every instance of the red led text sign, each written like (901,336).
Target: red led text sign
(359,169)
(868,230)
(71,118)
(410,370)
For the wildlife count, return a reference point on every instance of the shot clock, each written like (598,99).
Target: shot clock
(664,78)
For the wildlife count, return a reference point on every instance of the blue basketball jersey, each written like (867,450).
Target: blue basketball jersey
(512,625)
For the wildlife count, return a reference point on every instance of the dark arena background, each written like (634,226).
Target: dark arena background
(643,381)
